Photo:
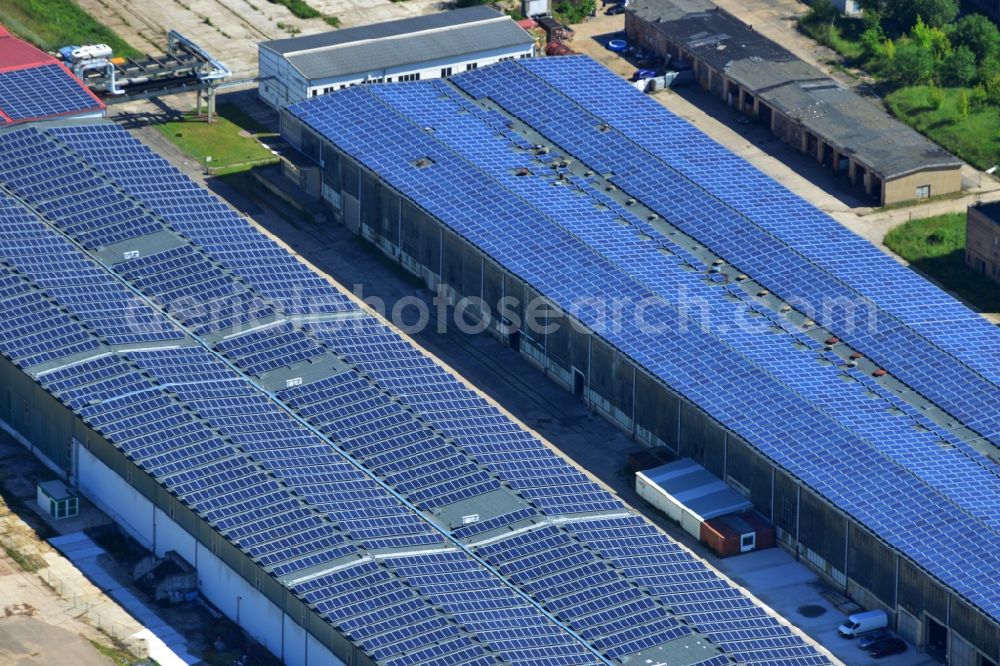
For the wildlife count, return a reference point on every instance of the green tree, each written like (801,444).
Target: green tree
(978,98)
(872,42)
(933,39)
(912,65)
(958,68)
(993,90)
(935,13)
(574,11)
(979,34)
(989,68)
(823,11)
(936,97)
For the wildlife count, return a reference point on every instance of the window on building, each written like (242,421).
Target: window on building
(315,92)
(787,511)
(923,192)
(410,77)
(445,71)
(505,58)
(388,79)
(472,65)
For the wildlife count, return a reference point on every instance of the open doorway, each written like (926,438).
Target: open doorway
(937,639)
(514,340)
(579,383)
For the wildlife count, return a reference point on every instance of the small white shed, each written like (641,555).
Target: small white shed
(55,499)
(689,494)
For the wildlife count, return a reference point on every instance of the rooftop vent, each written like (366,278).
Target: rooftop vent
(423,162)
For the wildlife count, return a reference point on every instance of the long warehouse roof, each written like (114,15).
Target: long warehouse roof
(335,454)
(586,188)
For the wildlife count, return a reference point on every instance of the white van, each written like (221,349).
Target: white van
(860,624)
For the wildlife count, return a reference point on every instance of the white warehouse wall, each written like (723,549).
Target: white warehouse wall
(225,588)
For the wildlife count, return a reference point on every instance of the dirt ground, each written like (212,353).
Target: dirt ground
(231,29)
(28,641)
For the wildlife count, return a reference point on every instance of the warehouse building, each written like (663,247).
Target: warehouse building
(880,156)
(424,47)
(700,306)
(982,240)
(341,495)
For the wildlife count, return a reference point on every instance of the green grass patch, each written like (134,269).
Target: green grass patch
(299,8)
(27,562)
(230,140)
(51,24)
(573,11)
(936,247)
(975,138)
(304,10)
(843,35)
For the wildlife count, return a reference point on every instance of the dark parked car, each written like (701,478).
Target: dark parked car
(615,9)
(886,647)
(866,642)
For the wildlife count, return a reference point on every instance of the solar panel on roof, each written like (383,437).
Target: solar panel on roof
(720,369)
(282,488)
(36,92)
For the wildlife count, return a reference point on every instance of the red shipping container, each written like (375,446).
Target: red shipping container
(735,534)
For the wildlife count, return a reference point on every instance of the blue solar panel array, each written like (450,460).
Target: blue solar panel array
(274,346)
(311,480)
(595,220)
(37,92)
(194,212)
(826,422)
(749,218)
(77,291)
(464,417)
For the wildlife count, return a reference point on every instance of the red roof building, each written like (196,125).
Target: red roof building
(35,86)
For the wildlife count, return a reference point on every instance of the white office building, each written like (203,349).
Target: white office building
(425,47)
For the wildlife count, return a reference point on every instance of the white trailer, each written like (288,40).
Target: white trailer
(688,494)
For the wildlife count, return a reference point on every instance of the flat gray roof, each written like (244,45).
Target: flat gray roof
(397,28)
(365,49)
(700,491)
(860,129)
(794,87)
